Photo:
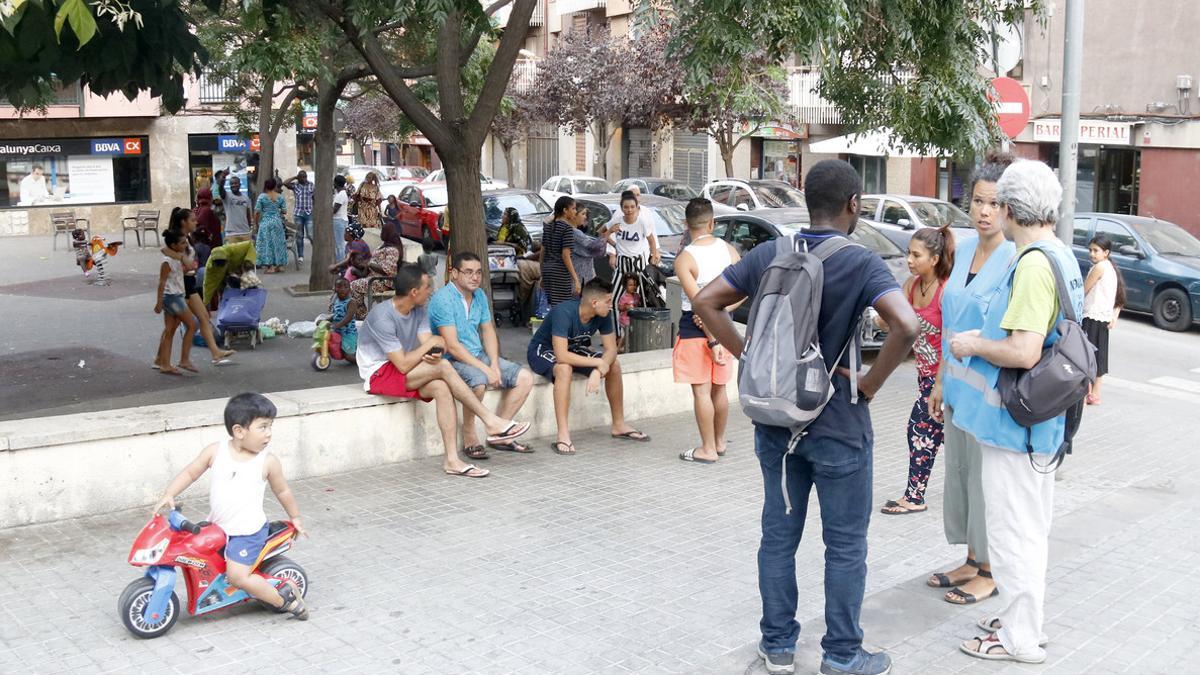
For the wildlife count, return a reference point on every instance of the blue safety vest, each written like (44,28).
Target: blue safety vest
(970,387)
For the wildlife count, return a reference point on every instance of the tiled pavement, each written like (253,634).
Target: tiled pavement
(623,559)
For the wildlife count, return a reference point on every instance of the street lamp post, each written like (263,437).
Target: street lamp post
(1068,141)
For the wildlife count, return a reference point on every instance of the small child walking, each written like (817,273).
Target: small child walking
(173,306)
(1103,299)
(342,309)
(630,298)
(930,260)
(242,468)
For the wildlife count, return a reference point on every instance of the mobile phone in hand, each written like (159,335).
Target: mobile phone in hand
(436,350)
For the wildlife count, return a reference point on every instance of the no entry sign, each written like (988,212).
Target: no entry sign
(1012,106)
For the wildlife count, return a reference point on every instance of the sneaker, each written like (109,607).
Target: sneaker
(778,662)
(301,258)
(864,663)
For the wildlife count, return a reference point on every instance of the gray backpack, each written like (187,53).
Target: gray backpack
(1059,381)
(782,380)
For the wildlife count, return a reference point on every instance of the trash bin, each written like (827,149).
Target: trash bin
(649,329)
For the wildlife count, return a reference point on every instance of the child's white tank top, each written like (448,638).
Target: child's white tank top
(236,495)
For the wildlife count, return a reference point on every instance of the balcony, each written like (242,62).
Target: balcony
(538,18)
(806,105)
(214,90)
(66,95)
(565,7)
(523,75)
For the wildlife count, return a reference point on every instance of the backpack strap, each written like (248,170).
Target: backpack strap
(828,248)
(1064,296)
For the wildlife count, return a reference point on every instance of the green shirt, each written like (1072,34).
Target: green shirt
(1033,305)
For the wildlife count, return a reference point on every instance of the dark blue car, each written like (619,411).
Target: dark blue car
(1159,261)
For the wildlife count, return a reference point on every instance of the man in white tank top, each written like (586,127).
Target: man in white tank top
(698,359)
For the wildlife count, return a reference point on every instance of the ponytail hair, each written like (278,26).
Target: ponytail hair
(178,216)
(939,241)
(564,202)
(629,196)
(1104,243)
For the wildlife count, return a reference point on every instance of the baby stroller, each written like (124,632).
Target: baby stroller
(502,268)
(239,314)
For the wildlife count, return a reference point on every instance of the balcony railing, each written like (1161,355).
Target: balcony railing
(523,75)
(66,95)
(538,18)
(806,104)
(565,7)
(214,90)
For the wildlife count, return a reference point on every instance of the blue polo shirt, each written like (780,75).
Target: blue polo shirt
(448,307)
(855,278)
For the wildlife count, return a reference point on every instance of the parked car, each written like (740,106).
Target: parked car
(667,215)
(1159,261)
(669,188)
(747,230)
(533,209)
(750,195)
(421,206)
(899,216)
(486,182)
(573,186)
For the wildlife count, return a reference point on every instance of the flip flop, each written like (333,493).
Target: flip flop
(511,446)
(689,455)
(155,366)
(190,369)
(170,371)
(633,435)
(476,452)
(570,448)
(721,453)
(467,472)
(222,362)
(898,509)
(514,430)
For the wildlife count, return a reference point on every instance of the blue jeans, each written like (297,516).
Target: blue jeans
(303,223)
(339,238)
(842,476)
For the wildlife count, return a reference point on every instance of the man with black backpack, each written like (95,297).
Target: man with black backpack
(799,383)
(1020,373)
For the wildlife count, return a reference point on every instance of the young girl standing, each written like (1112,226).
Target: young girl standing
(1104,296)
(930,260)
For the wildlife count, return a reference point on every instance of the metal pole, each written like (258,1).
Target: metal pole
(1068,142)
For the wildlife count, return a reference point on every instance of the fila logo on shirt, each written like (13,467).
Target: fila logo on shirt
(624,235)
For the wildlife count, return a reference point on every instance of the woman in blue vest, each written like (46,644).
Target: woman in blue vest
(980,267)
(1018,489)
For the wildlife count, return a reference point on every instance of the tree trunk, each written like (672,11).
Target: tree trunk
(266,139)
(508,164)
(324,166)
(465,203)
(602,139)
(725,144)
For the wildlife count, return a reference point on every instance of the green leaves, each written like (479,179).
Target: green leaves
(83,24)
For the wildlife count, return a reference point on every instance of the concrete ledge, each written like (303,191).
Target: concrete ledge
(72,465)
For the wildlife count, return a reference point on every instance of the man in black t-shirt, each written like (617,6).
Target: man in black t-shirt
(835,453)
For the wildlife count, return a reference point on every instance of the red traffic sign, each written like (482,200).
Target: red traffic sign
(1012,106)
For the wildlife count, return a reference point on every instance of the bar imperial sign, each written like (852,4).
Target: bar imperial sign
(1091,132)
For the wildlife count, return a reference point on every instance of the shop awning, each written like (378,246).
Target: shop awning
(871,144)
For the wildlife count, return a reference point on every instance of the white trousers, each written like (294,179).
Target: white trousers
(1019,503)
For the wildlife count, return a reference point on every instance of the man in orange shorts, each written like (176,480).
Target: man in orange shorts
(698,359)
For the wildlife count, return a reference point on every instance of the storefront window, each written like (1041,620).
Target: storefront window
(874,172)
(210,153)
(781,161)
(1107,179)
(67,172)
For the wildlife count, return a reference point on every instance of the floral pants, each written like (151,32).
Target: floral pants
(925,440)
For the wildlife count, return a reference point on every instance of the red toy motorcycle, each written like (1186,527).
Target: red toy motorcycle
(149,606)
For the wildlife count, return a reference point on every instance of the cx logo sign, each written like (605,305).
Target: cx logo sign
(133,146)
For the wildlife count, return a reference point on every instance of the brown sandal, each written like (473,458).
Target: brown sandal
(476,452)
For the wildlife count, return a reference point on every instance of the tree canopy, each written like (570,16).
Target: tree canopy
(906,65)
(127,47)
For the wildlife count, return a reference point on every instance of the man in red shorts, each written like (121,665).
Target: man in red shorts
(398,356)
(698,359)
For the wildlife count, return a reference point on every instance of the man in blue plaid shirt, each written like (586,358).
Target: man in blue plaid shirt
(303,190)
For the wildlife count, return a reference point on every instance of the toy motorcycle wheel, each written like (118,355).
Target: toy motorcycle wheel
(321,363)
(286,570)
(132,604)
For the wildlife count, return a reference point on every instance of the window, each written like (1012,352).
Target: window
(564,186)
(867,208)
(435,196)
(408,195)
(65,172)
(593,186)
(680,192)
(721,229)
(1082,229)
(741,196)
(720,193)
(550,186)
(1119,234)
(893,212)
(873,170)
(778,195)
(750,234)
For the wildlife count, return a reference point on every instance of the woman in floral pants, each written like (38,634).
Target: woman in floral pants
(930,259)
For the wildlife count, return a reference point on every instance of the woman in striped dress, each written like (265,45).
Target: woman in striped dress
(559,278)
(636,244)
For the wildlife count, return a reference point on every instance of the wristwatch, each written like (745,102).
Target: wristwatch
(713,343)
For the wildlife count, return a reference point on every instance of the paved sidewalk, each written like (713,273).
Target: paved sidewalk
(623,559)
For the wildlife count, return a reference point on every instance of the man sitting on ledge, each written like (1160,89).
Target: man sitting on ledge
(562,346)
(399,357)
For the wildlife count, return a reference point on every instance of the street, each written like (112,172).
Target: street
(623,559)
